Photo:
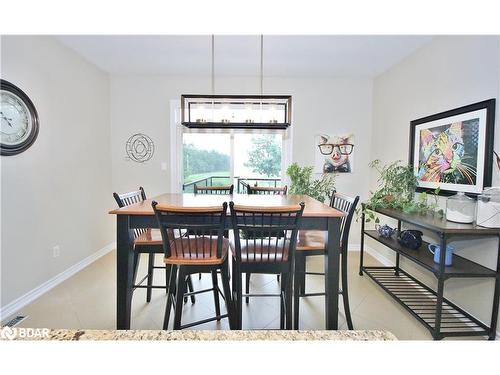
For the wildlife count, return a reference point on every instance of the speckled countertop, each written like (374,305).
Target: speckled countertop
(66,334)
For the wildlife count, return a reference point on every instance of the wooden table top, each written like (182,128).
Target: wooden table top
(313,208)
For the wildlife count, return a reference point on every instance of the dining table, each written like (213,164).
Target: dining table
(316,216)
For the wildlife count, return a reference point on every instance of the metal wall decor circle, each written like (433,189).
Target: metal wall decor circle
(140,148)
(19,120)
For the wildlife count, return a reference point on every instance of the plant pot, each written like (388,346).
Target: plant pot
(388,198)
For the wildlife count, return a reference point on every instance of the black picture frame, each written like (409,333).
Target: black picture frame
(9,150)
(486,156)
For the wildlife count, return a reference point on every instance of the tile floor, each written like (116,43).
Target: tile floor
(87,300)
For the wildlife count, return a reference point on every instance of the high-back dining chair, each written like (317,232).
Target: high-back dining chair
(313,242)
(267,190)
(217,190)
(146,240)
(268,254)
(262,190)
(203,250)
(221,190)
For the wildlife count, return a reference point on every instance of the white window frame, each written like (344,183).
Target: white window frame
(176,154)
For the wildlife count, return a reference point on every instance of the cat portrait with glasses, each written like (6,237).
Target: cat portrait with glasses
(334,153)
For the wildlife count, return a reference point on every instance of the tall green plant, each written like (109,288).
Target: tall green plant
(302,182)
(397,185)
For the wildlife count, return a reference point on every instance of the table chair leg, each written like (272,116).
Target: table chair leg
(345,293)
(190,288)
(170,295)
(151,263)
(215,286)
(302,273)
(247,286)
(296,296)
(136,266)
(288,301)
(282,302)
(181,289)
(227,296)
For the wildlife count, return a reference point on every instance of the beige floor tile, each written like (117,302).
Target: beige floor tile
(88,300)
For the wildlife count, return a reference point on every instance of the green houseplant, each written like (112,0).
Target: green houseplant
(397,185)
(302,182)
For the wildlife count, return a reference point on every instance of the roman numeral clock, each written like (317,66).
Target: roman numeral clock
(19,120)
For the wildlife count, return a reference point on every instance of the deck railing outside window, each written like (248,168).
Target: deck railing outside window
(240,186)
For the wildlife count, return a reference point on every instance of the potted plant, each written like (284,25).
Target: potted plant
(302,182)
(397,185)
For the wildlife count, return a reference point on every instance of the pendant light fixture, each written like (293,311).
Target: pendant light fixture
(236,111)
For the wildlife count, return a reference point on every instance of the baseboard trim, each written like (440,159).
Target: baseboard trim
(16,305)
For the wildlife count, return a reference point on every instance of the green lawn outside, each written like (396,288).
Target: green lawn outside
(199,176)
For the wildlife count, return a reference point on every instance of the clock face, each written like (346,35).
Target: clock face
(15,119)
(18,120)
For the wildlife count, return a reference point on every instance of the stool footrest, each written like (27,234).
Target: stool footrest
(261,295)
(218,317)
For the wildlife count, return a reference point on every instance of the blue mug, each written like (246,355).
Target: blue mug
(436,250)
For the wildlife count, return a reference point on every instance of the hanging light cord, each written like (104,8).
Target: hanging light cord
(213,67)
(261,64)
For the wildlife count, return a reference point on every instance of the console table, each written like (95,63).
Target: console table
(440,316)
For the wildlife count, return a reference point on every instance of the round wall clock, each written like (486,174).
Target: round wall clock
(19,120)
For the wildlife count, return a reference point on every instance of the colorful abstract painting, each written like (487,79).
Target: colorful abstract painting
(453,150)
(448,153)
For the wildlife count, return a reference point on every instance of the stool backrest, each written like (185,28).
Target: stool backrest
(347,205)
(203,224)
(221,190)
(267,190)
(264,224)
(127,199)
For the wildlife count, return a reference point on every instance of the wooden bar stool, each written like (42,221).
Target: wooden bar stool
(221,190)
(199,251)
(262,190)
(265,252)
(313,242)
(265,190)
(217,190)
(147,241)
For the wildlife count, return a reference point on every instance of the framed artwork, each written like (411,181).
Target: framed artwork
(334,154)
(453,150)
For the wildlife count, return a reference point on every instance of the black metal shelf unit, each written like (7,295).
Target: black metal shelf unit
(439,315)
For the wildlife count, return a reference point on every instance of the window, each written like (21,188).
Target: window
(215,157)
(206,159)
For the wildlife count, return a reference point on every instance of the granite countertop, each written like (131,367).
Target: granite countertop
(72,335)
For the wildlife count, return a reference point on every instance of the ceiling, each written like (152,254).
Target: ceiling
(284,56)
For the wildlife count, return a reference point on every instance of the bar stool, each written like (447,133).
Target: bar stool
(198,251)
(313,242)
(217,190)
(265,252)
(222,190)
(265,190)
(148,241)
(262,190)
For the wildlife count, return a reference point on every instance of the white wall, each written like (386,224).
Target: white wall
(59,190)
(447,73)
(332,106)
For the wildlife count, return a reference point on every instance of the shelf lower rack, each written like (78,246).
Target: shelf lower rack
(420,301)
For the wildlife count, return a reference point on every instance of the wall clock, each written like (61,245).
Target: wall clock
(19,120)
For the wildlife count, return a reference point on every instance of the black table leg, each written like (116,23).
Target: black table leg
(332,269)
(124,271)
